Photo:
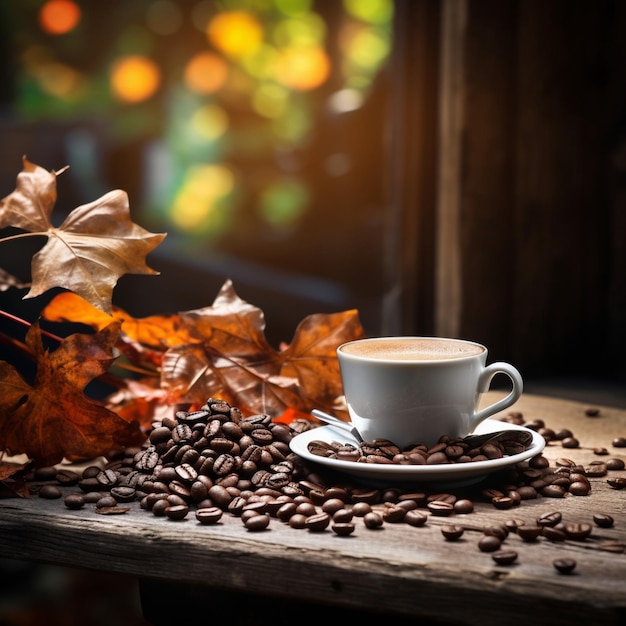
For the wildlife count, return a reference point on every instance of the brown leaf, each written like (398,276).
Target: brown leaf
(232,359)
(53,419)
(90,251)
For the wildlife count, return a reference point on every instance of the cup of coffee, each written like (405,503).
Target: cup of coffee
(416,389)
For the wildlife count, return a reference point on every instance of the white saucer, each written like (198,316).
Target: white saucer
(447,474)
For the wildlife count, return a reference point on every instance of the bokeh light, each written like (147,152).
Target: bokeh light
(283,202)
(209,122)
(135,78)
(205,73)
(200,204)
(303,68)
(58,17)
(235,33)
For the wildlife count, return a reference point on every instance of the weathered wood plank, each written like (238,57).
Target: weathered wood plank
(400,569)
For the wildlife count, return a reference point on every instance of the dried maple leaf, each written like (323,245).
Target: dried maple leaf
(95,245)
(53,419)
(155,331)
(231,358)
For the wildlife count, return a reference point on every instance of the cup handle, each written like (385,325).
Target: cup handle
(483,385)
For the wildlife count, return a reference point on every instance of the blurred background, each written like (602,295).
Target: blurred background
(450,167)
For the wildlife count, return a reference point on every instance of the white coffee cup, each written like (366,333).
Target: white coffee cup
(416,389)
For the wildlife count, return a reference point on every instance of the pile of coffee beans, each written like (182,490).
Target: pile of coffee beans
(214,462)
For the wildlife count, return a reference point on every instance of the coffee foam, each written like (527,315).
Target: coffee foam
(412,349)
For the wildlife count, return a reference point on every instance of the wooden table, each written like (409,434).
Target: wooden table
(407,571)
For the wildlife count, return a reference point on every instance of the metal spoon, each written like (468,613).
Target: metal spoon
(331,420)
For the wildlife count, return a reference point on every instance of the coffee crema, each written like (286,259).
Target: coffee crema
(412,349)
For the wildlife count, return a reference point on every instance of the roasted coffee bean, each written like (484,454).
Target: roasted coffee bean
(74,501)
(393,514)
(550,519)
(107,477)
(564,565)
(530,532)
(553,534)
(332,504)
(45,473)
(498,530)
(297,521)
(577,532)
(596,470)
(343,529)
(579,488)
(600,451)
(257,522)
(123,494)
(440,508)
(342,516)
(504,557)
(416,518)
(106,501)
(318,522)
(615,464)
(177,512)
(616,483)
(619,442)
(209,515)
(67,478)
(463,506)
(603,520)
(489,543)
(373,520)
(50,492)
(452,532)
(553,491)
(112,510)
(570,442)
(502,502)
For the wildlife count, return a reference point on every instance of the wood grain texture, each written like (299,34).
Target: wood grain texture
(413,572)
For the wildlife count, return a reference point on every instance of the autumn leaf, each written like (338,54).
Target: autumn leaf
(53,419)
(231,359)
(95,245)
(155,331)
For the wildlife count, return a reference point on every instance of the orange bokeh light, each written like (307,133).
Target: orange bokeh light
(135,78)
(303,68)
(235,33)
(58,17)
(205,73)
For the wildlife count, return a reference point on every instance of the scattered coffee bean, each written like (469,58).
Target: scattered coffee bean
(343,529)
(619,442)
(489,543)
(258,522)
(50,492)
(504,557)
(615,464)
(616,483)
(452,532)
(74,501)
(603,520)
(416,518)
(564,565)
(529,532)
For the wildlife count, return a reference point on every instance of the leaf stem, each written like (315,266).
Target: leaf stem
(22,235)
